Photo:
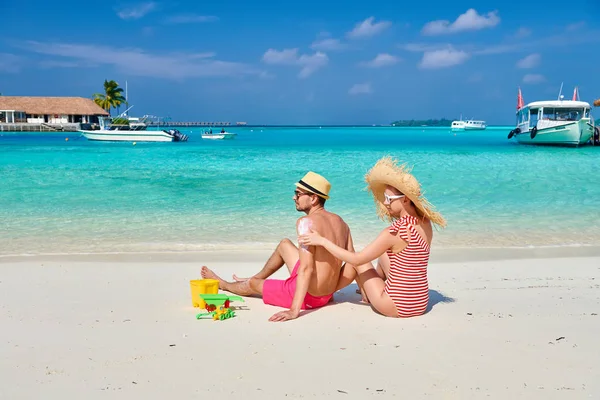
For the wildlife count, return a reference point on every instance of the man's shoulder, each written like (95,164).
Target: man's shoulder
(338,218)
(328,217)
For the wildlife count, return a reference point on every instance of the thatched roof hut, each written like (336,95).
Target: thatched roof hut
(51,105)
(597,103)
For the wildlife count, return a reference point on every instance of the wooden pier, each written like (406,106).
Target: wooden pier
(43,127)
(189,124)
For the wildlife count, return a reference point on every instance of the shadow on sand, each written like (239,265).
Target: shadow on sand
(349,295)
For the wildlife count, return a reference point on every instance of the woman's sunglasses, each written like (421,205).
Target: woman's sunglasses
(389,199)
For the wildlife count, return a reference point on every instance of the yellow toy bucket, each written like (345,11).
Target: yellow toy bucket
(203,286)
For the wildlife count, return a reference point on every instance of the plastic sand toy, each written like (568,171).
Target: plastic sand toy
(217,306)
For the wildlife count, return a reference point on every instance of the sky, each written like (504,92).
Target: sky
(309,62)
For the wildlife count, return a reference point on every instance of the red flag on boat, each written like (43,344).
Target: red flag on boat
(575,94)
(520,102)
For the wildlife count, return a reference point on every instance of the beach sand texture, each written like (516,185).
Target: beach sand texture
(98,328)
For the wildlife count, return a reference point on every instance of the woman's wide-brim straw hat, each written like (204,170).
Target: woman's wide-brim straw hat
(388,171)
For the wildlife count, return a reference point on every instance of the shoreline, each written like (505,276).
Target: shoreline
(438,256)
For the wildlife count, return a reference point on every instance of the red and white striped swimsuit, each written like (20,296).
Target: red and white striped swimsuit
(406,283)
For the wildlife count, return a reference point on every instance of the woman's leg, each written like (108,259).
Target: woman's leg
(373,287)
(383,268)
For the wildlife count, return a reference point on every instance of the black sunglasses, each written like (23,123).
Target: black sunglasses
(298,194)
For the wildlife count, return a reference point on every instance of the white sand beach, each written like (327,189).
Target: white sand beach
(122,327)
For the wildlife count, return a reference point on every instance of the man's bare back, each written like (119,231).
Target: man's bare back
(327,267)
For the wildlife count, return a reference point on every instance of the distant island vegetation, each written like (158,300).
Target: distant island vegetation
(423,122)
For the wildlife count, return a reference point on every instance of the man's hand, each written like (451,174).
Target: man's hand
(284,316)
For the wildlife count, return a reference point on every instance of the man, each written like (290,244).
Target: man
(314,272)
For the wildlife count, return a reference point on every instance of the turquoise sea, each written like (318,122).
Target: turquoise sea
(77,196)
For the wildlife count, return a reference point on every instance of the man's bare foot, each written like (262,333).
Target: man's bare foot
(207,273)
(237,279)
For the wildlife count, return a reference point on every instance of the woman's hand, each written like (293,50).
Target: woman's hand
(312,238)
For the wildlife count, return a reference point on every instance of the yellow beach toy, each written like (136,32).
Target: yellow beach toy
(217,306)
(202,286)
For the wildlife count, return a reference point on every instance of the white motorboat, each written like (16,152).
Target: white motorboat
(468,125)
(554,122)
(223,135)
(107,133)
(473,125)
(458,125)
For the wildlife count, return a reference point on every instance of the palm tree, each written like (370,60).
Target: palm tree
(112,96)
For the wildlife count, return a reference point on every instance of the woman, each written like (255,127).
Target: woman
(399,286)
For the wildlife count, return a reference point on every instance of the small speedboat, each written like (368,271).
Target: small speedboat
(218,136)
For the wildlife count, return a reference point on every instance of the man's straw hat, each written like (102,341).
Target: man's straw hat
(388,172)
(315,183)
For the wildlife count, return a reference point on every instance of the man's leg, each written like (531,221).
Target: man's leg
(285,253)
(248,287)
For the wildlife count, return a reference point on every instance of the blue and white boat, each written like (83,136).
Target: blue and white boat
(133,133)
(554,122)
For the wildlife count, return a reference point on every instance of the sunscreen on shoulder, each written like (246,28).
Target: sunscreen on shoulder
(304,227)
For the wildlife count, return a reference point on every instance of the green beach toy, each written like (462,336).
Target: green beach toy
(219,299)
(217,306)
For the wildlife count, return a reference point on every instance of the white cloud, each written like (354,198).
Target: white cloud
(309,63)
(190,19)
(136,11)
(533,78)
(367,28)
(469,21)
(360,88)
(328,44)
(422,47)
(312,63)
(531,61)
(565,39)
(10,63)
(284,57)
(382,60)
(443,58)
(138,62)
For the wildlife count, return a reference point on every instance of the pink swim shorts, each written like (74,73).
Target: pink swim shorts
(280,293)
